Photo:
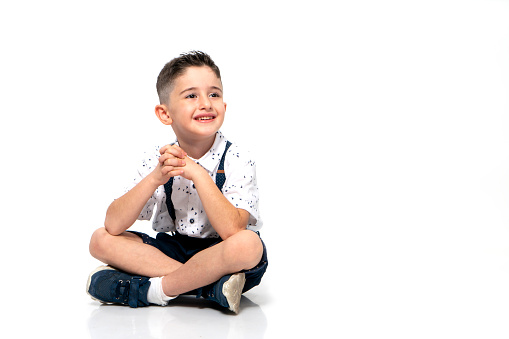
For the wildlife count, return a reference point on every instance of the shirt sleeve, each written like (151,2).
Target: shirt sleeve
(147,165)
(241,188)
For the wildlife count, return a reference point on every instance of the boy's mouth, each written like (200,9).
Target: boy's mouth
(205,117)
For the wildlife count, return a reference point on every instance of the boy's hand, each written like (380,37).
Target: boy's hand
(192,170)
(171,164)
(174,162)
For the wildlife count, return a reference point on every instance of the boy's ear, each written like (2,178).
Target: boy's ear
(163,115)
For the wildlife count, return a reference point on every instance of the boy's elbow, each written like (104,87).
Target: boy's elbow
(115,223)
(113,227)
(238,224)
(232,231)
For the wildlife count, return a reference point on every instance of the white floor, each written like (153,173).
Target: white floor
(356,297)
(185,318)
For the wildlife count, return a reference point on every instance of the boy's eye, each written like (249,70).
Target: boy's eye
(214,95)
(191,96)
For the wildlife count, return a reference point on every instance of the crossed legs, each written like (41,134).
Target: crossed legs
(127,252)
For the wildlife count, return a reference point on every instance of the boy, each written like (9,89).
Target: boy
(206,206)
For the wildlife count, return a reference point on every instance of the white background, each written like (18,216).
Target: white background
(380,130)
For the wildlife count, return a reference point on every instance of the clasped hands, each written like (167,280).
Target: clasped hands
(174,162)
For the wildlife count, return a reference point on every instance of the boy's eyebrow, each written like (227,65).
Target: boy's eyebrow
(193,88)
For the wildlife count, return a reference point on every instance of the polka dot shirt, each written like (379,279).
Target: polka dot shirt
(240,189)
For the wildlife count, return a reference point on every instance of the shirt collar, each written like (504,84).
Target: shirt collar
(210,160)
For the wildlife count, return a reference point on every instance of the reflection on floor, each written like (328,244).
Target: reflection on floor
(185,317)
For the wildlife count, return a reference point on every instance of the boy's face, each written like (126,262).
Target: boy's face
(196,105)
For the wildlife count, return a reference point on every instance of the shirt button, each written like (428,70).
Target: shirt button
(191,221)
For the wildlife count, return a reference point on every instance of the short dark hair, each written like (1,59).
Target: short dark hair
(176,67)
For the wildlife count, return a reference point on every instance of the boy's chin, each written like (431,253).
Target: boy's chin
(203,133)
(207,129)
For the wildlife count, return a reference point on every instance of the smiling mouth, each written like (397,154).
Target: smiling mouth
(205,118)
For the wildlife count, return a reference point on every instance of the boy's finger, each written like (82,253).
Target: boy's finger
(167,169)
(164,157)
(171,171)
(175,150)
(163,149)
(176,172)
(180,152)
(175,162)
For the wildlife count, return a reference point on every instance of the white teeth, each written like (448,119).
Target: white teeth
(206,118)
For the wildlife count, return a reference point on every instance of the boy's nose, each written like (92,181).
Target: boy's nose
(205,102)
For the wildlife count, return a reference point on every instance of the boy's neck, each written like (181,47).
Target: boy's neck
(196,148)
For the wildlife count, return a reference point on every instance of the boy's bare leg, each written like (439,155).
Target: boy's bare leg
(241,251)
(128,253)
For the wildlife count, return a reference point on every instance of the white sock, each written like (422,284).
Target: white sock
(155,293)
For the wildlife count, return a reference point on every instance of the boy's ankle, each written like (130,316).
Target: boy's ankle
(156,294)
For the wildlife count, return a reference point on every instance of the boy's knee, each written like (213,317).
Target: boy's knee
(247,248)
(97,241)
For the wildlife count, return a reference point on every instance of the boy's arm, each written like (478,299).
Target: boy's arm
(224,217)
(124,211)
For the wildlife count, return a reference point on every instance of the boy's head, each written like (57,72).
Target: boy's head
(191,98)
(176,67)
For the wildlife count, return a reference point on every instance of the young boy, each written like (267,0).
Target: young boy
(204,194)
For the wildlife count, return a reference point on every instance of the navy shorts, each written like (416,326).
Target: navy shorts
(181,248)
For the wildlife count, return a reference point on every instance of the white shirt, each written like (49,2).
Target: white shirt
(240,189)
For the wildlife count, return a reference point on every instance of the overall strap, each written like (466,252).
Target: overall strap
(220,180)
(220,176)
(169,204)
